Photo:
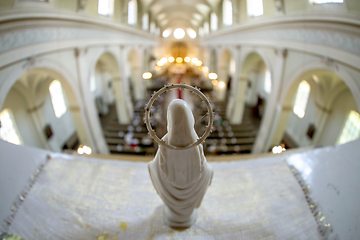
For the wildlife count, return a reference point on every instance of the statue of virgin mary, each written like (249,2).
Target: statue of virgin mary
(180,177)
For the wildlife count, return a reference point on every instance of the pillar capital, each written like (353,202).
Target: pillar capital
(281,52)
(80,51)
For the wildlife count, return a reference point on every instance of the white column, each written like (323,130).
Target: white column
(321,120)
(269,120)
(120,103)
(239,105)
(80,127)
(39,126)
(125,84)
(281,118)
(89,104)
(105,79)
(234,86)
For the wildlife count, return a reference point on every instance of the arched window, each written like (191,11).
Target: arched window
(213,22)
(254,8)
(145,22)
(106,7)
(267,81)
(325,1)
(227,13)
(157,32)
(57,98)
(191,32)
(206,28)
(301,99)
(8,129)
(201,31)
(152,28)
(132,12)
(351,129)
(92,83)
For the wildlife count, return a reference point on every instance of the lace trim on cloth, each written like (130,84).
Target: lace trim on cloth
(324,227)
(21,197)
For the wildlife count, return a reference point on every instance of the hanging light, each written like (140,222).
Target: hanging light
(147,75)
(221,84)
(198,63)
(179,33)
(171,59)
(213,76)
(84,149)
(179,59)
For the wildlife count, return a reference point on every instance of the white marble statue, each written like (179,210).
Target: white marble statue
(180,177)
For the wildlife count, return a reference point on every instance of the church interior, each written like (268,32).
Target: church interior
(283,81)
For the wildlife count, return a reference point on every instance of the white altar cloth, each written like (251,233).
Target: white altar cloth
(100,199)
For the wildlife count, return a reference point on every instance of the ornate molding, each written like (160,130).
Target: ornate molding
(31,62)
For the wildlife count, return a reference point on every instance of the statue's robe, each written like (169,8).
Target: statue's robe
(181,177)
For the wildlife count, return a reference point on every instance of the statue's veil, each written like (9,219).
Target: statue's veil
(182,167)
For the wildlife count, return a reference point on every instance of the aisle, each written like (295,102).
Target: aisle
(89,198)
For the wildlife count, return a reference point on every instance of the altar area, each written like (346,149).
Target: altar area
(85,198)
(76,197)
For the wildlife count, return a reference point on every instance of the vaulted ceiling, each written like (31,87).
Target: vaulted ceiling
(180,13)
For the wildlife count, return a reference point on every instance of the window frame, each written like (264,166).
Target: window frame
(58,101)
(110,10)
(249,6)
(132,21)
(346,123)
(225,15)
(12,129)
(267,81)
(214,18)
(145,22)
(297,103)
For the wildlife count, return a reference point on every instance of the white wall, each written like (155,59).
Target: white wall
(297,127)
(336,119)
(62,127)
(23,119)
(16,166)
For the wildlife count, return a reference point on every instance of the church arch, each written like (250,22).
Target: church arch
(133,74)
(57,71)
(318,64)
(333,94)
(227,69)
(105,68)
(249,88)
(213,60)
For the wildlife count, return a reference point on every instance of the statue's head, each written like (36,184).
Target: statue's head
(180,124)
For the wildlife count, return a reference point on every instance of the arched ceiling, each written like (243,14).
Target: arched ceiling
(179,13)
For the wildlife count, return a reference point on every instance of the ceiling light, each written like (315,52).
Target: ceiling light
(166,33)
(194,60)
(191,33)
(147,75)
(179,59)
(187,59)
(213,76)
(221,84)
(171,59)
(179,33)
